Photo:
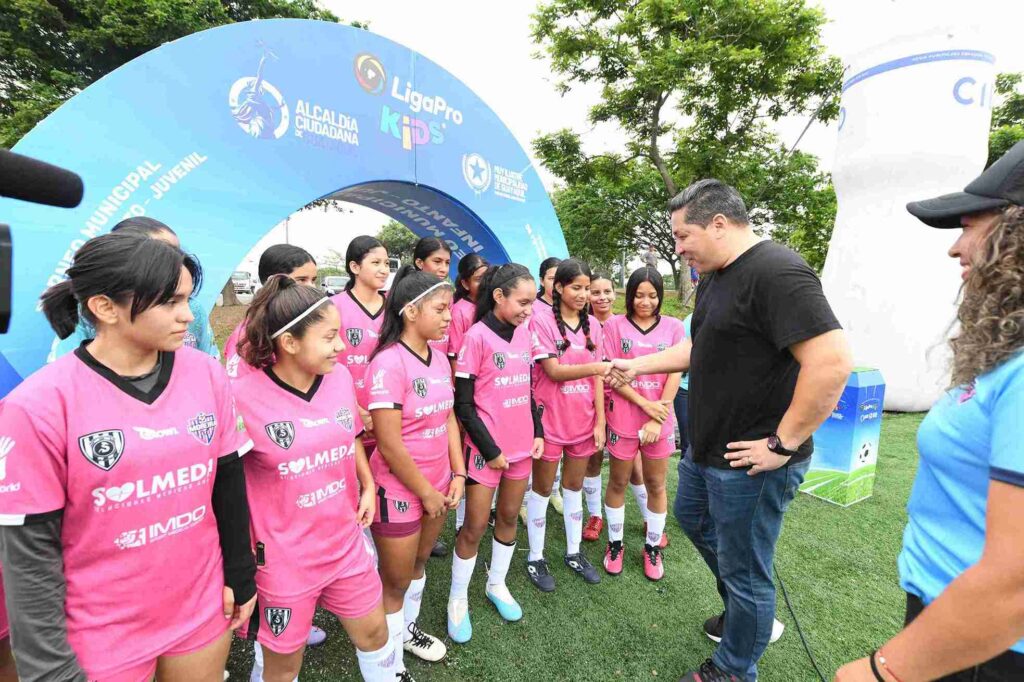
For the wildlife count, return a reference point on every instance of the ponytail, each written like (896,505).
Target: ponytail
(467,266)
(61,308)
(402,273)
(409,289)
(280,301)
(126,267)
(505,277)
(568,270)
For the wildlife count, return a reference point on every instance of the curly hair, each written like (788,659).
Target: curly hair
(991,314)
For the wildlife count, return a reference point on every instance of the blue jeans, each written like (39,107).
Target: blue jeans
(679,406)
(734,521)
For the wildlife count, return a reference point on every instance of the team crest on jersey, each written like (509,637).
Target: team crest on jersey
(278,619)
(560,346)
(202,427)
(420,387)
(525,356)
(282,433)
(662,346)
(103,448)
(613,438)
(402,506)
(344,417)
(627,345)
(354,336)
(478,460)
(499,360)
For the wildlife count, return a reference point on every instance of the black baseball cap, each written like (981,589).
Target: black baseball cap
(1000,185)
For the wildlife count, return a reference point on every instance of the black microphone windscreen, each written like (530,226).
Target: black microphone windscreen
(28,179)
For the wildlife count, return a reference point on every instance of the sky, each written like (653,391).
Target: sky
(487,45)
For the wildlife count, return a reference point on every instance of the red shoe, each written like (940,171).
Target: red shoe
(613,558)
(592,531)
(654,567)
(664,537)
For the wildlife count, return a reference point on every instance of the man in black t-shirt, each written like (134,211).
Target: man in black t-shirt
(768,362)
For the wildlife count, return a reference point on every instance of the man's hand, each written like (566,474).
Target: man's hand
(622,373)
(754,454)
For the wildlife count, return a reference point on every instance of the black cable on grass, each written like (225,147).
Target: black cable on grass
(796,621)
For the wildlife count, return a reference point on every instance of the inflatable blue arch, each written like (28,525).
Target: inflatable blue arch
(224,133)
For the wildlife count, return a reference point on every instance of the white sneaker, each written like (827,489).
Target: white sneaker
(423,646)
(556,500)
(778,627)
(316,636)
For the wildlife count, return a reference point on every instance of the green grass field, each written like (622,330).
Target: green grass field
(839,566)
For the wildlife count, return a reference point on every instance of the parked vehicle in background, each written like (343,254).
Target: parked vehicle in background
(393,265)
(244,282)
(334,284)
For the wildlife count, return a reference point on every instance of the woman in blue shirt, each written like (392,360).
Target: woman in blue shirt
(962,563)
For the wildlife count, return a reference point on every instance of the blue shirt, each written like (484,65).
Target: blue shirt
(198,336)
(684,383)
(969,438)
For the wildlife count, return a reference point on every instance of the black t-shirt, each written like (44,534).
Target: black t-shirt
(742,375)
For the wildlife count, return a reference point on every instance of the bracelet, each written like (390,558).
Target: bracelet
(881,664)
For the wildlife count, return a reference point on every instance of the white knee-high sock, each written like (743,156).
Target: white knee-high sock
(396,630)
(412,603)
(640,493)
(460,514)
(573,515)
(592,490)
(379,665)
(616,521)
(655,528)
(462,573)
(501,559)
(536,523)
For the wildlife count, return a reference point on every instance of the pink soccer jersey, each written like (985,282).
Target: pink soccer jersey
(462,319)
(440,345)
(502,387)
(133,474)
(569,412)
(422,390)
(361,330)
(299,476)
(234,364)
(623,339)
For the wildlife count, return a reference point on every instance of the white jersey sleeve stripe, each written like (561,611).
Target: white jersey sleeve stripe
(463,375)
(12,519)
(246,447)
(384,406)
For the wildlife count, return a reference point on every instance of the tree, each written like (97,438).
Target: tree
(694,85)
(398,240)
(1007,116)
(51,49)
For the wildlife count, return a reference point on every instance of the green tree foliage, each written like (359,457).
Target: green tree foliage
(52,49)
(398,240)
(695,85)
(1007,116)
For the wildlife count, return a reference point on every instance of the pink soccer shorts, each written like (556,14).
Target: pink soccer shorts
(621,447)
(581,450)
(480,473)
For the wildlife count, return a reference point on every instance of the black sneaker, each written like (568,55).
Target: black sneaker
(708,672)
(583,568)
(440,550)
(494,515)
(540,576)
(404,676)
(714,627)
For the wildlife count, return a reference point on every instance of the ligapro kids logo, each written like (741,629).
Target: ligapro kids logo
(372,76)
(257,106)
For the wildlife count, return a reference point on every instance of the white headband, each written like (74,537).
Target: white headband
(419,298)
(298,319)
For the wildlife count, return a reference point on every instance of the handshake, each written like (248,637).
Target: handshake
(619,373)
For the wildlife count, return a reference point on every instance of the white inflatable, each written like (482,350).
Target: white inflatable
(914,124)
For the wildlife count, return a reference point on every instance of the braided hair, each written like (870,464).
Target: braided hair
(567,271)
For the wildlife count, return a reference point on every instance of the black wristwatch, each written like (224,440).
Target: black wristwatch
(776,446)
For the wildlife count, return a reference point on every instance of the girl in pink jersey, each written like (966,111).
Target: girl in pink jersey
(602,299)
(570,395)
(504,436)
(310,549)
(279,259)
(418,467)
(361,306)
(640,417)
(124,486)
(433,256)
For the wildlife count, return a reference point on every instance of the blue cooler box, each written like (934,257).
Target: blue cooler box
(846,446)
